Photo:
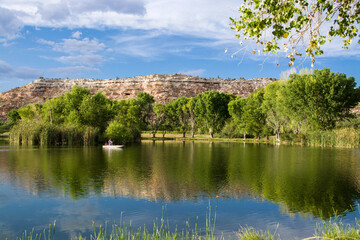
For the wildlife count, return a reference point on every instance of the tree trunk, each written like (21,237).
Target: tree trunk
(212,135)
(51,120)
(164,134)
(154,135)
(192,134)
(184,134)
(244,136)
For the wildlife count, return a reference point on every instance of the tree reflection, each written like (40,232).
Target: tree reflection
(310,181)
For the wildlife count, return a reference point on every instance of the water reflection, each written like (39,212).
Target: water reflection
(311,181)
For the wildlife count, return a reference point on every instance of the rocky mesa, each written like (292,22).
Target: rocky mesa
(164,88)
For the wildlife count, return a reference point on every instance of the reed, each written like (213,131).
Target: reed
(335,229)
(343,137)
(90,135)
(328,229)
(45,235)
(26,132)
(72,135)
(160,230)
(45,134)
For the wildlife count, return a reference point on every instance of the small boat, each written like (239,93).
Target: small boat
(112,146)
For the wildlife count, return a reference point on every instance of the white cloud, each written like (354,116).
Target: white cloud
(205,18)
(124,6)
(83,46)
(334,49)
(195,72)
(10,25)
(76,34)
(53,12)
(150,44)
(80,51)
(46,42)
(89,59)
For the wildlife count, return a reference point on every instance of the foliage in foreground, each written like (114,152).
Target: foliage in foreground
(297,26)
(328,229)
(335,229)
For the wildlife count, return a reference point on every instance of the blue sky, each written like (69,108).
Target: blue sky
(126,38)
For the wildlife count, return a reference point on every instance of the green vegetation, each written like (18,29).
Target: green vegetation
(78,118)
(312,108)
(297,26)
(335,229)
(327,230)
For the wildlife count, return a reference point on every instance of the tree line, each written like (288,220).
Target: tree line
(301,104)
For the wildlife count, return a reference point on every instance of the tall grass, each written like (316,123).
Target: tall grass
(249,233)
(343,137)
(46,235)
(335,229)
(45,134)
(330,230)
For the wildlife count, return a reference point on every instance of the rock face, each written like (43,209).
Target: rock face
(164,88)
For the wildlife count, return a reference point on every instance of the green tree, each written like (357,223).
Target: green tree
(128,111)
(274,108)
(322,98)
(172,116)
(294,22)
(53,110)
(230,129)
(120,132)
(253,116)
(190,106)
(161,112)
(179,110)
(212,109)
(13,116)
(126,126)
(236,111)
(73,101)
(95,111)
(30,111)
(145,101)
(157,118)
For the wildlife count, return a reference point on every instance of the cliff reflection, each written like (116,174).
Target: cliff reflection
(311,181)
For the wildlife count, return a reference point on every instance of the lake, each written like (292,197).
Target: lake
(286,189)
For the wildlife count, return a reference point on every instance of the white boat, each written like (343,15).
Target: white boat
(113,146)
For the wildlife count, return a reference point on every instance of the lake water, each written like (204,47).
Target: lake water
(286,189)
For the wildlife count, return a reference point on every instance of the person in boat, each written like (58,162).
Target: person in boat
(110,142)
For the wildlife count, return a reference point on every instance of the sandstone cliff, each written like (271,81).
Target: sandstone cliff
(164,88)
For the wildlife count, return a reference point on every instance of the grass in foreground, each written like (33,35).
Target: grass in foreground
(335,229)
(332,229)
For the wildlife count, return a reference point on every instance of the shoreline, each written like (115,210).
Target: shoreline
(178,137)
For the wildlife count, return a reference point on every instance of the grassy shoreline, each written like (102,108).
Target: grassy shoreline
(202,138)
(336,138)
(329,229)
